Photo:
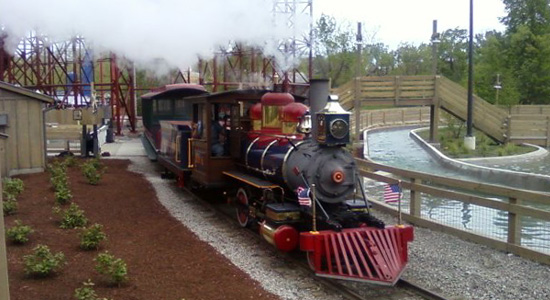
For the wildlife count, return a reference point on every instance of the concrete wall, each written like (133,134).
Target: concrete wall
(515,179)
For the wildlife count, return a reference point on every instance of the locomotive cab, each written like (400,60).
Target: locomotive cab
(220,122)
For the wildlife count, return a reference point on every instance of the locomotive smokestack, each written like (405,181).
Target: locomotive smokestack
(318,96)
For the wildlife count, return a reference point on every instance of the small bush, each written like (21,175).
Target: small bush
(13,186)
(69,161)
(114,268)
(91,237)
(9,207)
(19,233)
(93,171)
(63,195)
(59,182)
(86,292)
(73,217)
(42,262)
(57,168)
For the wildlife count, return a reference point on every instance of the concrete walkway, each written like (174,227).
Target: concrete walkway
(125,146)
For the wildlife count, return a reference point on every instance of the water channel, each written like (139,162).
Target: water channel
(394,147)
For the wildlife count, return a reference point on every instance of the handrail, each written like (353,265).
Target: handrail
(190,156)
(480,194)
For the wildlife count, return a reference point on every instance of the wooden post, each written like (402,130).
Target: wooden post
(357,105)
(397,90)
(509,130)
(4,283)
(547,131)
(514,225)
(416,200)
(434,113)
(83,140)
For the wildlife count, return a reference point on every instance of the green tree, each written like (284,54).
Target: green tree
(535,14)
(528,48)
(334,50)
(453,54)
(379,61)
(412,60)
(491,65)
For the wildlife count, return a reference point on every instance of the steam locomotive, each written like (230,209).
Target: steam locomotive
(300,187)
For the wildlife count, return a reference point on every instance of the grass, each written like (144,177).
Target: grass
(451,139)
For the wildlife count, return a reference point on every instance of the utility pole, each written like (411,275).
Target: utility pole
(470,139)
(357,102)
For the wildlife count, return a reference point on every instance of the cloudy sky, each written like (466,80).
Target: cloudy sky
(395,21)
(180,30)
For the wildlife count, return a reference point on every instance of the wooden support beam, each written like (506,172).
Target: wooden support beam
(416,199)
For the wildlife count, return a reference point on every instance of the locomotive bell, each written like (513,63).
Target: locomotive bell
(333,124)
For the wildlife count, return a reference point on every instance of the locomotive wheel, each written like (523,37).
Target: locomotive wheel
(242,210)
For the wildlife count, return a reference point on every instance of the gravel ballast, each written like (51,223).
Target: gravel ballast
(455,268)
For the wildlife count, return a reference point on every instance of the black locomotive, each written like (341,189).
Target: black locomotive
(300,188)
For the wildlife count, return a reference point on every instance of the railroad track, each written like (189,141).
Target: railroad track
(349,290)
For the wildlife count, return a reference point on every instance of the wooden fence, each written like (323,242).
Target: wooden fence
(518,124)
(393,117)
(467,192)
(487,117)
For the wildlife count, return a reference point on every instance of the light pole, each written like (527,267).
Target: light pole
(498,87)
(470,139)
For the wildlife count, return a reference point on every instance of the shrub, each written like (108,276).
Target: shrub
(91,237)
(9,207)
(13,186)
(63,195)
(69,161)
(19,233)
(92,170)
(114,268)
(86,292)
(59,181)
(42,262)
(73,217)
(57,168)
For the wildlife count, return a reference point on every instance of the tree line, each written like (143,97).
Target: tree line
(510,67)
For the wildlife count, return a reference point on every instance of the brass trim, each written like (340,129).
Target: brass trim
(290,149)
(263,156)
(248,150)
(190,161)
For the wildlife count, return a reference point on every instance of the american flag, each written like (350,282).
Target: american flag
(303,196)
(392,193)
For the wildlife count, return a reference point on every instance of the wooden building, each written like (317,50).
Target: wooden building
(22,132)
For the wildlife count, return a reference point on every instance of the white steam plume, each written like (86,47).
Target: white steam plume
(147,30)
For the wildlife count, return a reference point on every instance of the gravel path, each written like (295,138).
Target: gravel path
(457,269)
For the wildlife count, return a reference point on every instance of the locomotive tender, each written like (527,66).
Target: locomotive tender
(300,188)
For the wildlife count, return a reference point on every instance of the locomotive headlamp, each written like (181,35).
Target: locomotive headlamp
(332,124)
(339,128)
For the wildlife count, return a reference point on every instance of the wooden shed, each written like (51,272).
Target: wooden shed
(22,146)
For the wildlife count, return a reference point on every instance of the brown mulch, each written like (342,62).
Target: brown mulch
(165,260)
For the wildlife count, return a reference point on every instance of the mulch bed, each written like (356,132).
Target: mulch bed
(165,260)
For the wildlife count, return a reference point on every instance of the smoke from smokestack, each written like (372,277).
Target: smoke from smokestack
(146,31)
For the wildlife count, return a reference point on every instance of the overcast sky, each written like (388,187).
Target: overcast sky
(396,21)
